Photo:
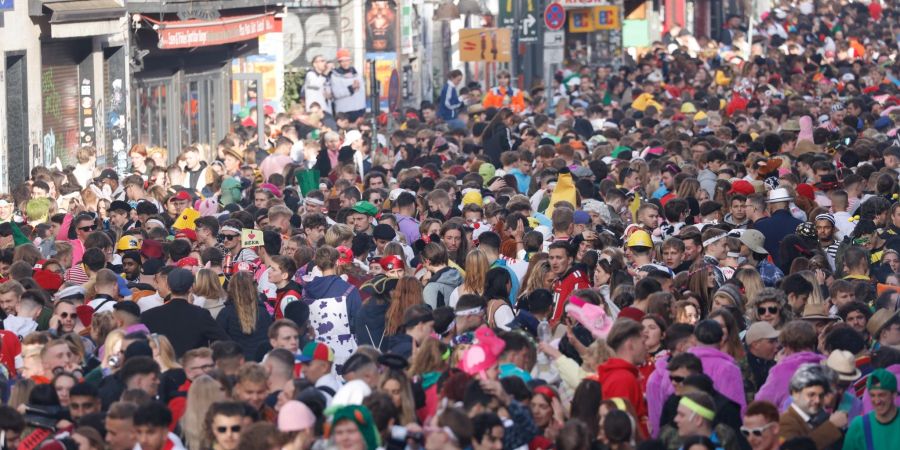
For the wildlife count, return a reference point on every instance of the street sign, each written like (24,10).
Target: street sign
(485,44)
(555,16)
(554,47)
(606,18)
(528,28)
(507,14)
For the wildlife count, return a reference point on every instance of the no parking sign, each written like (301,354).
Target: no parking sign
(555,16)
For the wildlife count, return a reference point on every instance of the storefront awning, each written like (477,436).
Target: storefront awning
(202,33)
(84,10)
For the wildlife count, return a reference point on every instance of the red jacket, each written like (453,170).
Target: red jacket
(619,378)
(574,280)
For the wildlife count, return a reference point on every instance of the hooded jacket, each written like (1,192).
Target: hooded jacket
(437,291)
(333,286)
(619,378)
(724,372)
(659,388)
(777,386)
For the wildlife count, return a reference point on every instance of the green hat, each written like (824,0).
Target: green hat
(231,191)
(364,207)
(361,416)
(487,171)
(882,379)
(618,150)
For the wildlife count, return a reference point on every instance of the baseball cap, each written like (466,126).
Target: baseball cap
(742,187)
(181,195)
(316,351)
(760,330)
(108,174)
(180,281)
(754,240)
(186,233)
(364,207)
(882,379)
(581,218)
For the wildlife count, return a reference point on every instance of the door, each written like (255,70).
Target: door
(16,169)
(246,100)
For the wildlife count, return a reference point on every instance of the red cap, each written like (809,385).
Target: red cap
(186,233)
(85,314)
(806,190)
(742,187)
(188,261)
(47,280)
(346,256)
(151,249)
(181,195)
(631,313)
(391,262)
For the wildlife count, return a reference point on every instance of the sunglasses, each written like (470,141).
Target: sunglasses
(675,379)
(88,228)
(755,431)
(767,309)
(233,429)
(65,315)
(229,237)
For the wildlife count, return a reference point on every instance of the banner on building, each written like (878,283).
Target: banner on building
(381,26)
(485,44)
(201,33)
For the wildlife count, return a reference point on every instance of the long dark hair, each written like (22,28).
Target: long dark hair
(496,123)
(496,284)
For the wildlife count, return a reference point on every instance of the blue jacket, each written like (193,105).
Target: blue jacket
(523,181)
(780,224)
(450,104)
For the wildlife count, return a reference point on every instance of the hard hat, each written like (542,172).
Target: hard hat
(128,242)
(639,238)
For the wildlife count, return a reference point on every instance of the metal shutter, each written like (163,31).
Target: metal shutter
(61,135)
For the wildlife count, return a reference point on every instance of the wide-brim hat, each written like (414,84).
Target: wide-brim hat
(879,320)
(844,364)
(816,312)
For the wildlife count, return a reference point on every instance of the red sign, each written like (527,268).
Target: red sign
(555,16)
(201,33)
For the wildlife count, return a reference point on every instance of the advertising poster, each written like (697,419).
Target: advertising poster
(381,26)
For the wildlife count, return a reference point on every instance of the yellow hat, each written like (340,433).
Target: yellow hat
(700,116)
(639,238)
(472,196)
(721,79)
(128,242)
(643,101)
(186,219)
(688,108)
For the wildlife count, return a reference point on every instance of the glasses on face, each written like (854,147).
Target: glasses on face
(676,379)
(65,315)
(229,237)
(761,310)
(755,431)
(233,429)
(88,228)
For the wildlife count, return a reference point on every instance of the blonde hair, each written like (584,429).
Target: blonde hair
(102,323)
(752,283)
(204,391)
(477,266)
(407,403)
(111,347)
(165,353)
(337,234)
(428,358)
(207,285)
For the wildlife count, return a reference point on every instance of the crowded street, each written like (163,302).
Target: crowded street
(450,224)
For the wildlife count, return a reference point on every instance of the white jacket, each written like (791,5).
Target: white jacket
(316,89)
(346,98)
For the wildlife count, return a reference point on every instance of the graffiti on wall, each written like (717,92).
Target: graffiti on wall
(308,33)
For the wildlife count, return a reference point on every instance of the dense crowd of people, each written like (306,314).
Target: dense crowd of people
(688,251)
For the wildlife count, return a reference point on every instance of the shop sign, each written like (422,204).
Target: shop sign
(197,33)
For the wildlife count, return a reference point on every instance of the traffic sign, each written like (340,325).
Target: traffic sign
(554,47)
(528,26)
(555,16)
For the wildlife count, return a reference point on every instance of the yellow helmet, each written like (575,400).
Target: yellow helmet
(639,238)
(128,242)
